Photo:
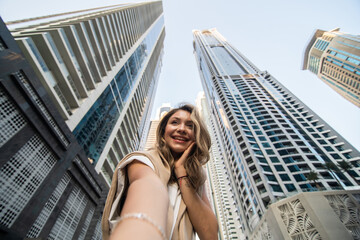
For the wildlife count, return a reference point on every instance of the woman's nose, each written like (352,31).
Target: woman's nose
(181,127)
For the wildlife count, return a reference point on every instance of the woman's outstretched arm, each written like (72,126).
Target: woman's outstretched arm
(198,206)
(148,196)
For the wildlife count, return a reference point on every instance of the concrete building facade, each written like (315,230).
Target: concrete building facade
(316,215)
(48,188)
(270,141)
(335,58)
(100,67)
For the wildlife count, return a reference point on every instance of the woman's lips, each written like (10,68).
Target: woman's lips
(180,139)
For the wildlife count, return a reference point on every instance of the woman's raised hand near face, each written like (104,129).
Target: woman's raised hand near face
(179,164)
(197,203)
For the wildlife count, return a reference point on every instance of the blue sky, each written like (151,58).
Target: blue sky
(271,34)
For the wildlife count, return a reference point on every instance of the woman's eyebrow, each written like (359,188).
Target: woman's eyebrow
(177,118)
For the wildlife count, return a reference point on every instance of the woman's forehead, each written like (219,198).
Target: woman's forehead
(182,114)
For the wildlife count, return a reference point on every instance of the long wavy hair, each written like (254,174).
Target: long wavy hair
(199,154)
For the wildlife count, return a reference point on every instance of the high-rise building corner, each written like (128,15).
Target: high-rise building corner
(335,58)
(100,68)
(76,92)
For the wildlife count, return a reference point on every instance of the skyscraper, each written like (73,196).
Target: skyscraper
(335,58)
(219,189)
(100,67)
(48,188)
(151,134)
(270,140)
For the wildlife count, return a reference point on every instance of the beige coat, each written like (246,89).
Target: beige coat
(183,228)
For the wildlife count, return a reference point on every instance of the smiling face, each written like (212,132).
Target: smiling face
(179,132)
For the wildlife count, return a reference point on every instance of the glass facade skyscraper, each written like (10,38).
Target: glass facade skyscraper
(270,140)
(48,188)
(335,58)
(74,99)
(100,67)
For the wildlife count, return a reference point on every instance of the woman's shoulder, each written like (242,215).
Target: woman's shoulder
(162,169)
(152,153)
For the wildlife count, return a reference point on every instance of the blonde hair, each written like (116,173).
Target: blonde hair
(198,156)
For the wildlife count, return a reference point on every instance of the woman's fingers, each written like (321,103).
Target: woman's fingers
(179,164)
(188,150)
(186,153)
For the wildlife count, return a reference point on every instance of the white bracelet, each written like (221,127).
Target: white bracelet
(143,216)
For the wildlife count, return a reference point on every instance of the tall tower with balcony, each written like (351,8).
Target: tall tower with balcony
(270,140)
(48,188)
(76,92)
(100,68)
(219,189)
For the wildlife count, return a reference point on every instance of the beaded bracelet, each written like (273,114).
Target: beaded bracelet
(146,218)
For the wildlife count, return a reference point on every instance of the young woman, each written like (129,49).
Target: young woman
(160,194)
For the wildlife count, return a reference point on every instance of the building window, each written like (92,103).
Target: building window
(49,207)
(290,187)
(276,188)
(300,177)
(87,222)
(284,177)
(279,168)
(41,105)
(68,220)
(12,120)
(21,176)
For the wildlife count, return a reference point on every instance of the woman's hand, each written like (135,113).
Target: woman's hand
(179,164)
(197,203)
